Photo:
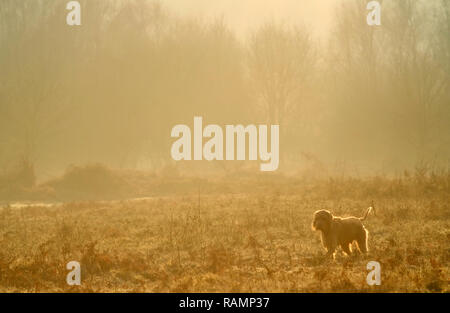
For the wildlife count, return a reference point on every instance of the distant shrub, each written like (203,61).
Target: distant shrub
(93,181)
(16,180)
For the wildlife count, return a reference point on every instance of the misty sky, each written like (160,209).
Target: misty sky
(373,99)
(243,16)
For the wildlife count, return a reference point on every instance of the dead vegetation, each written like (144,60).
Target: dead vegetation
(244,240)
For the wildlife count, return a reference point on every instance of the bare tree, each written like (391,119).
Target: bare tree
(280,64)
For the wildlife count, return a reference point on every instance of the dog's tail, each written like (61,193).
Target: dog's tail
(369,209)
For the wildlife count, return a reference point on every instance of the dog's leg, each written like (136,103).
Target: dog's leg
(331,248)
(347,248)
(330,254)
(362,241)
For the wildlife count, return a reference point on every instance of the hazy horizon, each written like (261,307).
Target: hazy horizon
(244,17)
(347,96)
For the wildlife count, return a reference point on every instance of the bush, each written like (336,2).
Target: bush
(93,181)
(15,181)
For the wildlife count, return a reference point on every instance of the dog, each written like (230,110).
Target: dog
(341,231)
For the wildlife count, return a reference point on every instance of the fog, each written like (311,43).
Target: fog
(348,97)
(243,17)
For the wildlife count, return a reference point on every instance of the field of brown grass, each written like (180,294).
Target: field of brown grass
(252,235)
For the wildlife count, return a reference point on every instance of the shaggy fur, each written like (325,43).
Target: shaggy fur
(337,231)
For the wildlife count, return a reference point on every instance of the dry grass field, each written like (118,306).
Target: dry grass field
(248,235)
(184,146)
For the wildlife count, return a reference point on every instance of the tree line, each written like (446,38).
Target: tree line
(111,89)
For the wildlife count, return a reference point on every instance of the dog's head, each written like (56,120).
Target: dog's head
(322,220)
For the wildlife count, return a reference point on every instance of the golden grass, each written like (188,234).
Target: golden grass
(258,241)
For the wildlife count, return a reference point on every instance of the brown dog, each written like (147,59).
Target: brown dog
(338,231)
